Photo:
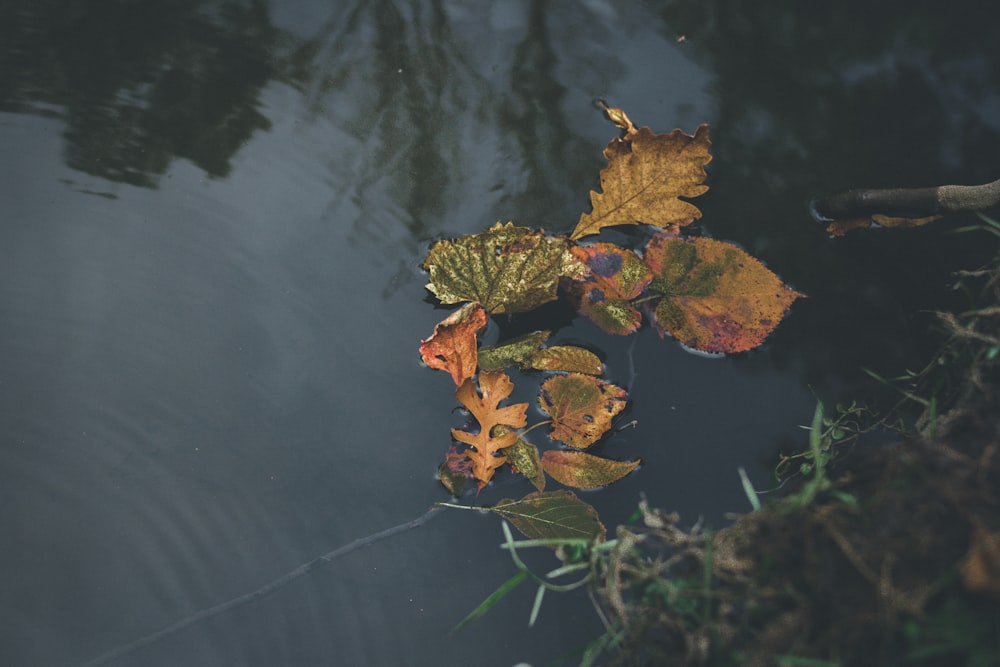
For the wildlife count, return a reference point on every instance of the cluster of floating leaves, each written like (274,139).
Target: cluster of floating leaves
(709,295)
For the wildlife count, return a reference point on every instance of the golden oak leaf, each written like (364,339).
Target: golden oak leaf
(581,407)
(484,405)
(716,297)
(645,177)
(508,269)
(583,470)
(452,346)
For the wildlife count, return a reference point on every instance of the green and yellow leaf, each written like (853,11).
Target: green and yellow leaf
(552,515)
(581,407)
(507,269)
(523,458)
(583,470)
(566,358)
(516,351)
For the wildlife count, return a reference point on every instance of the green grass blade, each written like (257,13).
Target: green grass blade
(749,490)
(494,597)
(535,608)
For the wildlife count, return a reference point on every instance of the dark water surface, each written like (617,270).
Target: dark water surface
(211,221)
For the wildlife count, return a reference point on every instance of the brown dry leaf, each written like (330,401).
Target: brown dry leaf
(842,227)
(583,470)
(484,405)
(645,177)
(581,407)
(452,346)
(981,569)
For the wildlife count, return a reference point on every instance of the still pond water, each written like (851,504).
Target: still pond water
(212,216)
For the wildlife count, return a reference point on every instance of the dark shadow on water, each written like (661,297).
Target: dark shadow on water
(140,84)
(835,96)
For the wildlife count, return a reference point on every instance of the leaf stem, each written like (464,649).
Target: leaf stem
(533,427)
(649,297)
(463,507)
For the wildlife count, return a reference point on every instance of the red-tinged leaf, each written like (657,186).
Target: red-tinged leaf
(485,454)
(452,346)
(456,471)
(523,458)
(616,276)
(716,297)
(581,407)
(583,470)
(552,515)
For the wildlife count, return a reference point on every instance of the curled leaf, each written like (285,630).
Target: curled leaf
(583,470)
(616,276)
(552,515)
(515,351)
(508,269)
(581,407)
(456,471)
(523,457)
(527,352)
(842,227)
(567,358)
(452,346)
(618,117)
(645,177)
(716,297)
(486,454)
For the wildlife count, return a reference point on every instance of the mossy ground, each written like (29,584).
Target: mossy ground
(889,556)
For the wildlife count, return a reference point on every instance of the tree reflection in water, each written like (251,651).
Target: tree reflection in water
(140,84)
